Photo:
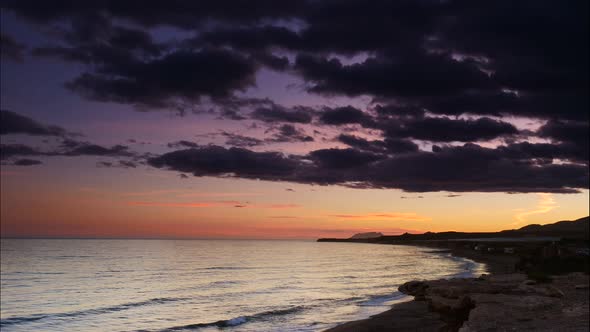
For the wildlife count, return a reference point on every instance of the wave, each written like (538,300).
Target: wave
(71,256)
(348,300)
(223,283)
(381,300)
(97,311)
(235,321)
(228,268)
(41,273)
(468,267)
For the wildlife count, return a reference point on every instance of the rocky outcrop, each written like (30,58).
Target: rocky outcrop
(505,302)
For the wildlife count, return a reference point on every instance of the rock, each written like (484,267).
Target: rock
(550,291)
(441,304)
(406,316)
(449,306)
(542,290)
(415,288)
(507,278)
(507,302)
(451,292)
(501,312)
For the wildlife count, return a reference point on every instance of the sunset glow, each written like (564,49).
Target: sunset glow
(286,124)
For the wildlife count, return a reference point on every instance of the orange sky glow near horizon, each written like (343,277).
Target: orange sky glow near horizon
(288,122)
(166,207)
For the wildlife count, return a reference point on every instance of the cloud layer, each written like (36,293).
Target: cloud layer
(452,95)
(459,169)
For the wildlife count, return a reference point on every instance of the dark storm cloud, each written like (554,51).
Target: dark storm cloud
(415,126)
(8,151)
(278,63)
(492,102)
(342,158)
(474,168)
(11,49)
(276,113)
(133,39)
(432,53)
(400,145)
(89,149)
(361,143)
(108,46)
(398,111)
(285,133)
(416,42)
(546,153)
(69,148)
(14,123)
(562,104)
(183,144)
(289,133)
(546,59)
(550,51)
(160,82)
(444,129)
(126,65)
(177,13)
(420,62)
(27,162)
(95,41)
(119,164)
(252,38)
(328,27)
(334,26)
(408,75)
(457,169)
(392,145)
(240,140)
(219,161)
(572,138)
(344,115)
(562,131)
(238,107)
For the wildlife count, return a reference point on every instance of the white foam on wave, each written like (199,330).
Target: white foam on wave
(383,300)
(237,321)
(469,267)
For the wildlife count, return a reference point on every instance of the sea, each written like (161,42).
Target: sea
(206,285)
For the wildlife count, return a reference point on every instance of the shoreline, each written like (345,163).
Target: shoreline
(407,314)
(431,311)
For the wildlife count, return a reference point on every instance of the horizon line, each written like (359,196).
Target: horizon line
(142,238)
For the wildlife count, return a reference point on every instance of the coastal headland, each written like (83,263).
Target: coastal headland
(538,281)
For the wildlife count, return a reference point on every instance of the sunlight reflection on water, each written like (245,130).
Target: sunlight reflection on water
(240,285)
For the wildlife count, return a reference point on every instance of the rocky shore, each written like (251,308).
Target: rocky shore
(506,302)
(501,301)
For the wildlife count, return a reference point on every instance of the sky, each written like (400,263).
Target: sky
(302,119)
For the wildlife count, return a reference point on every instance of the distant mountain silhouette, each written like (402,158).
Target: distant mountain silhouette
(576,229)
(565,226)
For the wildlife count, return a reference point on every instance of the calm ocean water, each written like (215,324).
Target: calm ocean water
(205,285)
